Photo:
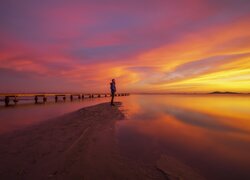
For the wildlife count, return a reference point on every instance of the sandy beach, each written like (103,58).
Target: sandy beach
(79,145)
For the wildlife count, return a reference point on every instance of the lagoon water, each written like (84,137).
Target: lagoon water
(209,133)
(27,113)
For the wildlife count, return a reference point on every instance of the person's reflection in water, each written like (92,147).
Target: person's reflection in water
(113,90)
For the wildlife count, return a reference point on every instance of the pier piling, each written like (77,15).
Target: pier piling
(36,99)
(7,101)
(13,99)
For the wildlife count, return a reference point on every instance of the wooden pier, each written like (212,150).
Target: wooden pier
(13,99)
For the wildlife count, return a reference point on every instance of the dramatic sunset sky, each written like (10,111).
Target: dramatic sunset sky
(147,45)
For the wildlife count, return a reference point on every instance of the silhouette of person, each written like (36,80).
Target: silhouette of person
(113,90)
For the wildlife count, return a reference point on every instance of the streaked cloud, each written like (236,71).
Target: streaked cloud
(148,46)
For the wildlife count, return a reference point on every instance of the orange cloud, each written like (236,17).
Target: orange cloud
(153,48)
(229,44)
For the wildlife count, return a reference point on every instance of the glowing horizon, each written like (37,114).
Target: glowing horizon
(147,46)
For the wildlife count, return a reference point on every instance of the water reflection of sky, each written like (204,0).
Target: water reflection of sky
(209,133)
(23,115)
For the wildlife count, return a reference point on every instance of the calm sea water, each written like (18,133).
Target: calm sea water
(27,113)
(210,133)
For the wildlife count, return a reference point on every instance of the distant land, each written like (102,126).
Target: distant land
(193,93)
(226,92)
(142,93)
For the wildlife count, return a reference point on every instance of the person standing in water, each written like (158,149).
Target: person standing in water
(113,90)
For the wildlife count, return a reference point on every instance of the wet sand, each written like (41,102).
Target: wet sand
(79,145)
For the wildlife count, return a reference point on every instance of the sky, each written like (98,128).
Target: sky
(156,46)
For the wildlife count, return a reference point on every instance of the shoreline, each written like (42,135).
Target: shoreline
(78,145)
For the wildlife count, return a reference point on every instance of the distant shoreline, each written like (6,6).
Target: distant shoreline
(183,93)
(142,93)
(226,92)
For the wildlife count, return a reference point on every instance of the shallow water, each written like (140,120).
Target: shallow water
(28,113)
(209,133)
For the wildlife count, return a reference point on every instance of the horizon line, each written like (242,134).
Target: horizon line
(77,92)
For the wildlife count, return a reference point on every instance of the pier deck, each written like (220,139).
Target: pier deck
(14,98)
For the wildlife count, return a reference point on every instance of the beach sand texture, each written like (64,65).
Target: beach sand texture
(78,145)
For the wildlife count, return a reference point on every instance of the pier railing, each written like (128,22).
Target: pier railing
(13,99)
